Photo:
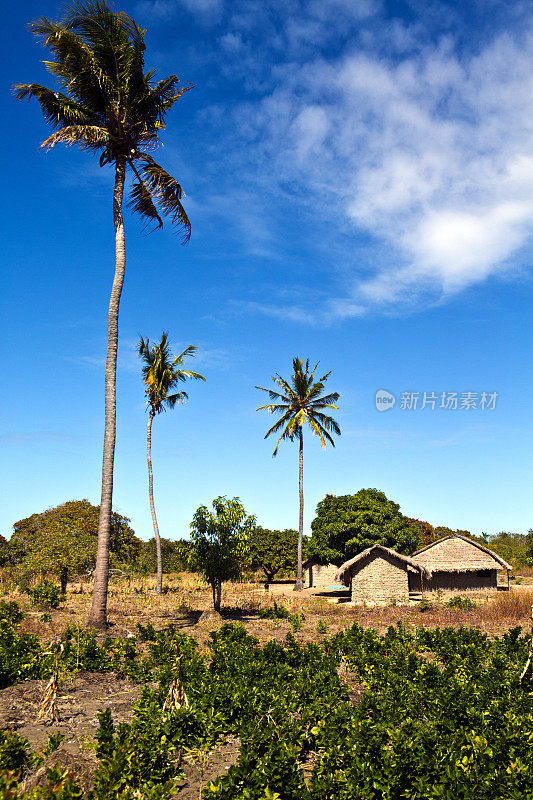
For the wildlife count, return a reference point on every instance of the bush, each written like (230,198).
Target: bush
(275,612)
(462,603)
(46,594)
(10,612)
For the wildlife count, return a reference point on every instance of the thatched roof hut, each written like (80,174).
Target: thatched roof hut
(379,575)
(458,563)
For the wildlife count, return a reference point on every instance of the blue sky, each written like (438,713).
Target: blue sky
(359,179)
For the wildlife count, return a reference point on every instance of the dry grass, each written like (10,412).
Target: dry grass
(134,601)
(513,605)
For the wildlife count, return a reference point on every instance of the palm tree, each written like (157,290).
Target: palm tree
(301,402)
(161,374)
(109,105)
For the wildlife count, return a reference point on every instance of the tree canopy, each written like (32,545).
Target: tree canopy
(62,540)
(348,524)
(175,555)
(219,542)
(273,550)
(426,530)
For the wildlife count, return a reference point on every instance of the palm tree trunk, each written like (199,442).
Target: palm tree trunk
(159,584)
(299,585)
(98,614)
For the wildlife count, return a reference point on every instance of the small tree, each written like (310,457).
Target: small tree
(63,540)
(219,542)
(346,525)
(273,550)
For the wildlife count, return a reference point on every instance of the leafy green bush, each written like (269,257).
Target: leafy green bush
(10,612)
(20,654)
(277,611)
(46,594)
(15,753)
(463,603)
(296,621)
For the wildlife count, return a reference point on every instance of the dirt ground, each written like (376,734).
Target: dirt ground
(186,598)
(76,719)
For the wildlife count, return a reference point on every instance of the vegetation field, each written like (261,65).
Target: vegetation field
(297,699)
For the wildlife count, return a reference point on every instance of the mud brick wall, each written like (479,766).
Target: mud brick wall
(321,575)
(380,580)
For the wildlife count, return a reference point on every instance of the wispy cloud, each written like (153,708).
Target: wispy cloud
(412,135)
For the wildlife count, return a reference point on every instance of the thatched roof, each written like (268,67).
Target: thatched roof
(379,550)
(458,553)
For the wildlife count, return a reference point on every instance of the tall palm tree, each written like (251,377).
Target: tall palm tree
(161,374)
(109,105)
(301,402)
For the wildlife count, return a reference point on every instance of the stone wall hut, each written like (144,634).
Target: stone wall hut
(319,576)
(459,564)
(379,575)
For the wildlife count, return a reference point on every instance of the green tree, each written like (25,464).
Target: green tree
(529,545)
(301,402)
(219,542)
(348,524)
(516,548)
(175,555)
(443,530)
(63,540)
(426,530)
(161,374)
(108,104)
(273,550)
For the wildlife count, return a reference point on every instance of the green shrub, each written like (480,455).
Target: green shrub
(296,621)
(275,612)
(46,594)
(15,753)
(462,603)
(10,612)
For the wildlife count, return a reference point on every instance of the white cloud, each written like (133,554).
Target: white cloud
(415,138)
(429,154)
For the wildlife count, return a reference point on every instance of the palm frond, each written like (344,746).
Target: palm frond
(274,395)
(166,192)
(108,102)
(161,373)
(303,405)
(87,137)
(57,108)
(141,200)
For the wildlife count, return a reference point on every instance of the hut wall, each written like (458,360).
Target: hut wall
(321,575)
(455,554)
(462,581)
(379,581)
